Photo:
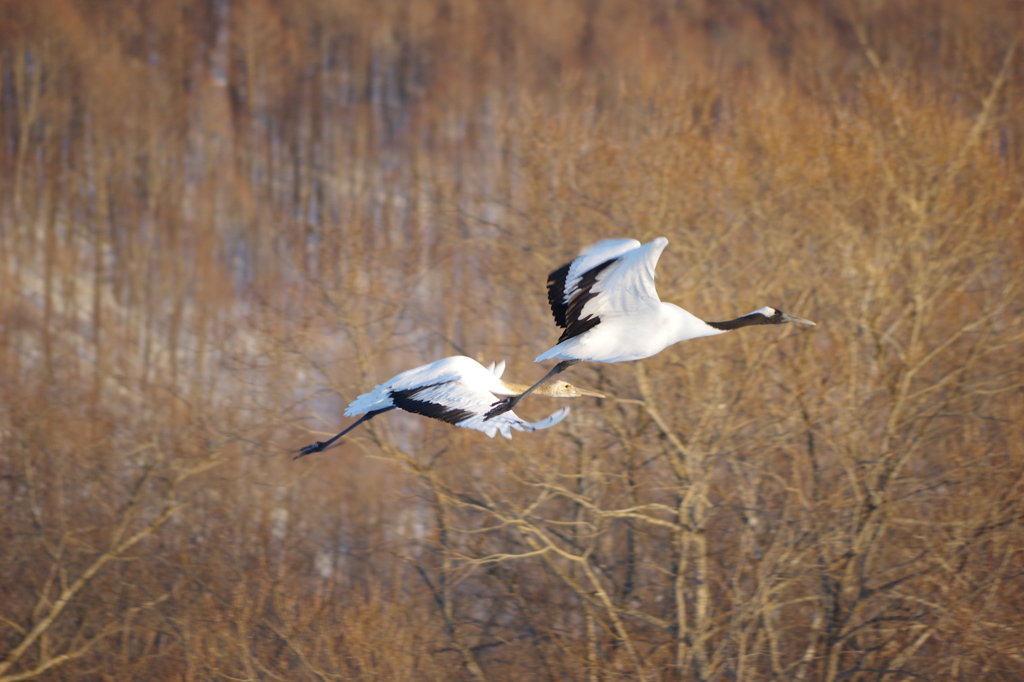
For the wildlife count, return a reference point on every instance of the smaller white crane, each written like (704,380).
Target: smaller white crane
(606,302)
(457,390)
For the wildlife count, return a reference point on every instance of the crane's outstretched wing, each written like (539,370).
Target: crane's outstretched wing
(454,368)
(574,279)
(610,276)
(464,405)
(629,286)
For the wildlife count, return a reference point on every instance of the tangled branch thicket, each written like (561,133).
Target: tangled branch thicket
(220,222)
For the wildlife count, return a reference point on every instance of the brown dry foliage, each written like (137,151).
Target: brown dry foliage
(220,222)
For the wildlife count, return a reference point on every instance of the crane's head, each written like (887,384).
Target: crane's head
(776,316)
(563,389)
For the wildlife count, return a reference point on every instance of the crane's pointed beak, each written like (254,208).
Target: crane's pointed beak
(592,394)
(786,317)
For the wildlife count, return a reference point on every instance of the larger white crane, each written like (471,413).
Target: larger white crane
(606,302)
(457,390)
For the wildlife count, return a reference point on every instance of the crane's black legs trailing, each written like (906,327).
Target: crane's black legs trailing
(320,446)
(506,404)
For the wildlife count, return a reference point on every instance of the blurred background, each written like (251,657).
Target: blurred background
(222,221)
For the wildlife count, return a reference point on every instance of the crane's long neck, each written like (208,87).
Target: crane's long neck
(688,326)
(756,317)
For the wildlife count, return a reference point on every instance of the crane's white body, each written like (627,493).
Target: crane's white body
(633,322)
(634,336)
(458,390)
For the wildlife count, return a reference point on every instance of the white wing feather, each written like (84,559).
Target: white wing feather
(592,256)
(454,368)
(627,286)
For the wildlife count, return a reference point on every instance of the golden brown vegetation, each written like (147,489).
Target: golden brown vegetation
(221,221)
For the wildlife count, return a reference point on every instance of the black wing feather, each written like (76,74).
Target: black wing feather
(406,400)
(556,294)
(567,315)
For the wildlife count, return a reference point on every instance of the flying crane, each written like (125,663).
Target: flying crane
(457,390)
(606,303)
